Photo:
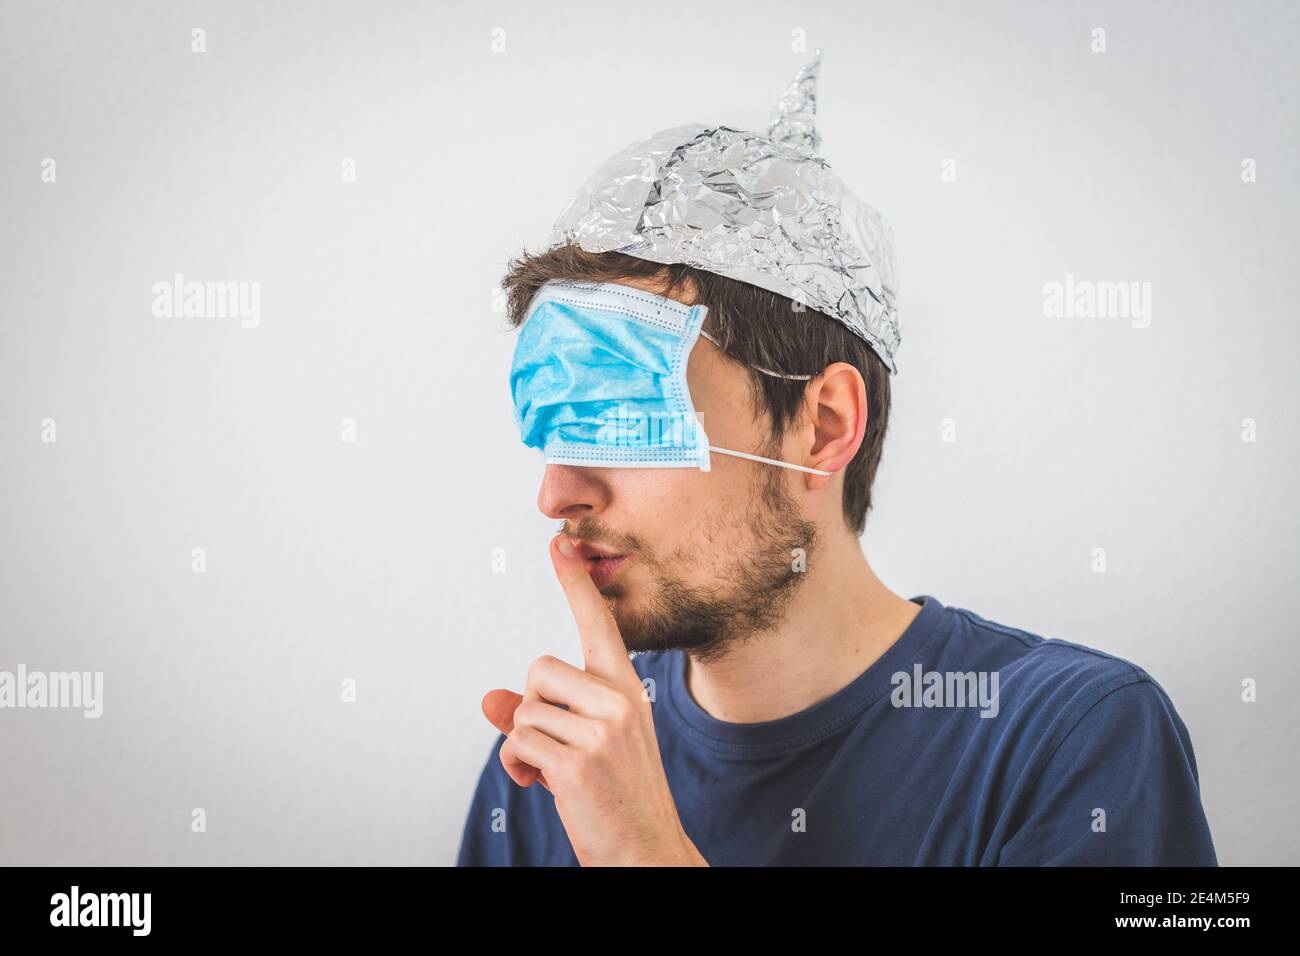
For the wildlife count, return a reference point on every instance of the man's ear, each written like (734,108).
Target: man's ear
(836,402)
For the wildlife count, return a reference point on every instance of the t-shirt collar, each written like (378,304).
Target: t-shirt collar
(822,719)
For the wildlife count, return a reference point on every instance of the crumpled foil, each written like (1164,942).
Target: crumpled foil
(762,209)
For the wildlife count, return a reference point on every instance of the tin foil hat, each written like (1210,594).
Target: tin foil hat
(762,209)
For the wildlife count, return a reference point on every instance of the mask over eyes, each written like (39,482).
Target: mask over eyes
(599,379)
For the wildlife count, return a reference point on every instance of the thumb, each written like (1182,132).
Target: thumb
(499,708)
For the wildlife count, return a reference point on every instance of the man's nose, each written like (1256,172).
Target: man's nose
(572,492)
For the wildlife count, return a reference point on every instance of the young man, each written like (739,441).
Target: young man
(784,706)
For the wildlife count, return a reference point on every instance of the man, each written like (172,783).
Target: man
(784,706)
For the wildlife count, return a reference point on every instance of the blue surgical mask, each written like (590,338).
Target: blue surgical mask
(599,379)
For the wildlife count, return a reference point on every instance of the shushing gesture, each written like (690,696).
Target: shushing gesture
(600,757)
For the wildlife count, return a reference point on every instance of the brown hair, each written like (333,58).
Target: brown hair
(755,327)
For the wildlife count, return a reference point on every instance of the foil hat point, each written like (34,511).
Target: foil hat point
(794,117)
(763,209)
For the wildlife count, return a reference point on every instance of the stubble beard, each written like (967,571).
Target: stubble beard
(749,595)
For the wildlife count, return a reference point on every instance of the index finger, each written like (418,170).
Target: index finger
(603,650)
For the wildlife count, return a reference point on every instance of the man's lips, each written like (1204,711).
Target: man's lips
(592,552)
(601,563)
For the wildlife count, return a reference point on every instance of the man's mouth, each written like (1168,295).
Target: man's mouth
(601,563)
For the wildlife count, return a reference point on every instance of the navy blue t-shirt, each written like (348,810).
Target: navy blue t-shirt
(1068,756)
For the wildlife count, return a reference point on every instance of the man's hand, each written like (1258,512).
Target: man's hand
(600,757)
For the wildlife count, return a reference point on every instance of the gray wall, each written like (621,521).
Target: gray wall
(372,560)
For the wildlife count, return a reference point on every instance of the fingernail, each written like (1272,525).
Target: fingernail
(566,546)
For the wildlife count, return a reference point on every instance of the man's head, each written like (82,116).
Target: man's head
(707,558)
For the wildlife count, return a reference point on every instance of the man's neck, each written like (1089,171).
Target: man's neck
(840,622)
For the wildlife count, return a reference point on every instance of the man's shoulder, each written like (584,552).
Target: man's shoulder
(1040,674)
(1080,732)
(1078,709)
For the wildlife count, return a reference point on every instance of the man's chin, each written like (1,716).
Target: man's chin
(623,606)
(641,631)
(655,628)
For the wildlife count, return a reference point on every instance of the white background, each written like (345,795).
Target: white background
(372,561)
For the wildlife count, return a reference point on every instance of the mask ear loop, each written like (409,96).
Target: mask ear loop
(760,458)
(793,378)
(770,461)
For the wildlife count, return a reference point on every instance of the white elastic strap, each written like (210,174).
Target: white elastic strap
(760,458)
(770,461)
(796,378)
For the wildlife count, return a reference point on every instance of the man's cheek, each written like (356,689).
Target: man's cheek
(720,525)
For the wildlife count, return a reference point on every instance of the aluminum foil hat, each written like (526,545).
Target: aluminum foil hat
(763,209)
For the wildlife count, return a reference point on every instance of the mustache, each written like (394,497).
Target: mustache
(590,530)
